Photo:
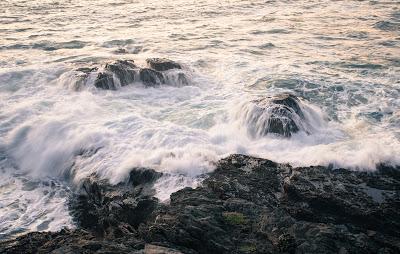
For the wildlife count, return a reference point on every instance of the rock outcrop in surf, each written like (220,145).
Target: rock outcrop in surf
(162,64)
(247,205)
(159,71)
(281,115)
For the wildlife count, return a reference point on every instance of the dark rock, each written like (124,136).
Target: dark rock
(289,101)
(281,115)
(247,205)
(176,79)
(162,64)
(87,70)
(123,70)
(251,205)
(71,242)
(105,80)
(120,51)
(116,209)
(151,77)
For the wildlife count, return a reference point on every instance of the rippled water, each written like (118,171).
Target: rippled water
(341,57)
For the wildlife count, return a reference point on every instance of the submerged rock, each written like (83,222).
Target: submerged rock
(87,70)
(282,115)
(162,64)
(247,205)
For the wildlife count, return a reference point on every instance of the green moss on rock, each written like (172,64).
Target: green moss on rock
(248,249)
(235,218)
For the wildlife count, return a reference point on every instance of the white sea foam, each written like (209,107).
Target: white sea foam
(54,127)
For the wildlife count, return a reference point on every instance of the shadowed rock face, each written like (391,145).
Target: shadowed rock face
(279,115)
(105,81)
(162,64)
(151,77)
(123,70)
(116,210)
(247,205)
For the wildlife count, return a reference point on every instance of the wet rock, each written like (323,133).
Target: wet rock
(247,205)
(105,81)
(120,51)
(71,242)
(251,205)
(124,72)
(281,115)
(151,77)
(154,249)
(176,79)
(116,209)
(162,64)
(87,70)
(289,101)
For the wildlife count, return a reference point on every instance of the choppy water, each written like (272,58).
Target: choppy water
(342,57)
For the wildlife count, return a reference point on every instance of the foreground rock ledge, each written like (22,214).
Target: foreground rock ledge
(247,205)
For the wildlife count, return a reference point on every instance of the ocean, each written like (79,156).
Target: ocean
(341,58)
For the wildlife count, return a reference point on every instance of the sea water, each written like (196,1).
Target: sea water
(342,58)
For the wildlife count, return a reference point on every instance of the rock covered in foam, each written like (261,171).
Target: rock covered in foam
(162,64)
(124,72)
(151,77)
(281,115)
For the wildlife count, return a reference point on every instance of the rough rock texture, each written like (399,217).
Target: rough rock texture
(151,77)
(247,205)
(71,242)
(281,114)
(162,64)
(125,72)
(114,210)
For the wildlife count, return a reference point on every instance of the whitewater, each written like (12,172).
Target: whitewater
(342,58)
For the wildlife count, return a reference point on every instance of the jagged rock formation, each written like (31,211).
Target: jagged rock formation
(115,210)
(162,64)
(124,72)
(281,115)
(151,77)
(247,205)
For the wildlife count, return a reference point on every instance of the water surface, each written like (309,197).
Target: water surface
(341,57)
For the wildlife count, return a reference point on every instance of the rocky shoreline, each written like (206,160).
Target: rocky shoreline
(247,205)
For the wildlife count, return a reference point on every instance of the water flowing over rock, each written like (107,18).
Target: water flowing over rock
(151,77)
(162,64)
(247,205)
(116,209)
(124,72)
(282,115)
